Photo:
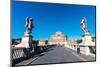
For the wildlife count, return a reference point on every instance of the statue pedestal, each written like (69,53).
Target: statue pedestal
(86,43)
(26,41)
(84,50)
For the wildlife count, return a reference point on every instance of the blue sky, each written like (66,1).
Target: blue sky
(50,18)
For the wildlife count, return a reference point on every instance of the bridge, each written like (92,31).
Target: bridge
(49,54)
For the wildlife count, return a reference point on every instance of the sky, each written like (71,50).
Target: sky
(49,18)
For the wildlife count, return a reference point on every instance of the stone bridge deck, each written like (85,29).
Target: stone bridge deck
(57,54)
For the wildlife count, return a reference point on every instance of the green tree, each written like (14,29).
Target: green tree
(93,39)
(79,41)
(66,37)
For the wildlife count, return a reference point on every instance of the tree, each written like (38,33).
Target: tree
(93,39)
(79,41)
(12,41)
(66,37)
(15,41)
(46,41)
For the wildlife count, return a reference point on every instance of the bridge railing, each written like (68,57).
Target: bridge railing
(73,47)
(19,53)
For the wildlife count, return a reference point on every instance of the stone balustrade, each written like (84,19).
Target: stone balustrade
(19,53)
(87,50)
(73,47)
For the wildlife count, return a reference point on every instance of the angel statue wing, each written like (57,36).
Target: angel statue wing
(83,25)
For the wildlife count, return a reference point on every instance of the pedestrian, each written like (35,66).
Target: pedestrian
(78,49)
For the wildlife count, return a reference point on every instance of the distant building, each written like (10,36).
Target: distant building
(58,38)
(42,43)
(73,42)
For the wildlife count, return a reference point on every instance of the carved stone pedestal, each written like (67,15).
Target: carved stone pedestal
(86,43)
(84,50)
(26,41)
